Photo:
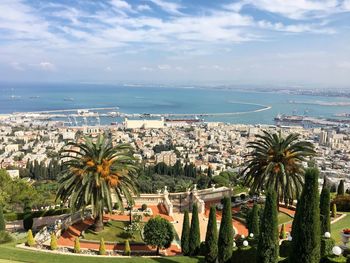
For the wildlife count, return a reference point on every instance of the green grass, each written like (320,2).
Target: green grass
(284,218)
(337,227)
(12,254)
(113,232)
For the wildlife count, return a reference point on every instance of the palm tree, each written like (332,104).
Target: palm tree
(276,162)
(92,171)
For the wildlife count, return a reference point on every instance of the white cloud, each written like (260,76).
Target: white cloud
(164,67)
(142,8)
(169,7)
(17,66)
(47,66)
(120,4)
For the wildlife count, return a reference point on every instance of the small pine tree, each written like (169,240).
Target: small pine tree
(334,210)
(102,248)
(225,240)
(77,245)
(325,200)
(27,217)
(255,228)
(194,239)
(30,239)
(185,235)
(127,250)
(306,225)
(211,238)
(2,220)
(267,251)
(53,242)
(341,188)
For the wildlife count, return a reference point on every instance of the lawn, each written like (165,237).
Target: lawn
(337,227)
(284,218)
(113,232)
(12,254)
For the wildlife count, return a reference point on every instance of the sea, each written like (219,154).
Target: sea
(246,106)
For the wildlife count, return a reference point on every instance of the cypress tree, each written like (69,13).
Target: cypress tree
(77,245)
(53,242)
(30,239)
(341,188)
(194,239)
(283,234)
(185,235)
(325,200)
(211,238)
(334,210)
(127,250)
(2,220)
(225,240)
(306,225)
(268,241)
(102,248)
(255,228)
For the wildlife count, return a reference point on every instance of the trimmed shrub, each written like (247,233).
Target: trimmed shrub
(5,237)
(102,248)
(35,214)
(268,240)
(30,239)
(194,239)
(53,242)
(27,217)
(334,210)
(283,233)
(306,225)
(225,240)
(326,246)
(334,259)
(342,202)
(127,249)
(77,245)
(2,220)
(185,235)
(285,248)
(244,255)
(325,200)
(255,229)
(143,207)
(211,238)
(341,188)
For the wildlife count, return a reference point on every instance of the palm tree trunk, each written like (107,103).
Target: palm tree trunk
(98,226)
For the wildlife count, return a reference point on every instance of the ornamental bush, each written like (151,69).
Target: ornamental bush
(268,241)
(255,229)
(225,240)
(325,202)
(306,225)
(342,202)
(2,220)
(285,248)
(27,217)
(5,237)
(185,235)
(158,232)
(211,238)
(30,239)
(143,207)
(326,246)
(283,233)
(244,255)
(53,242)
(341,188)
(127,249)
(334,210)
(77,245)
(194,239)
(102,248)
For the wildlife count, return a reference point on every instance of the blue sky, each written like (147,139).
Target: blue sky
(252,42)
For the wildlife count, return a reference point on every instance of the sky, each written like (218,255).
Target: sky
(291,43)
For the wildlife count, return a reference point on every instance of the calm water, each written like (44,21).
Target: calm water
(30,97)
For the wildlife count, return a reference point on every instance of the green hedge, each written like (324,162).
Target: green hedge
(5,237)
(342,202)
(244,255)
(35,214)
(333,259)
(326,246)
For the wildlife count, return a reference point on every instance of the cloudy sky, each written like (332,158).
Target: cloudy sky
(253,42)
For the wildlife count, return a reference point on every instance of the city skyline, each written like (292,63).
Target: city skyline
(294,43)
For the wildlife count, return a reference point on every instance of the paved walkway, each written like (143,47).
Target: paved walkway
(68,237)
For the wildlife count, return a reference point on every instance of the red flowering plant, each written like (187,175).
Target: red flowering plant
(346,231)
